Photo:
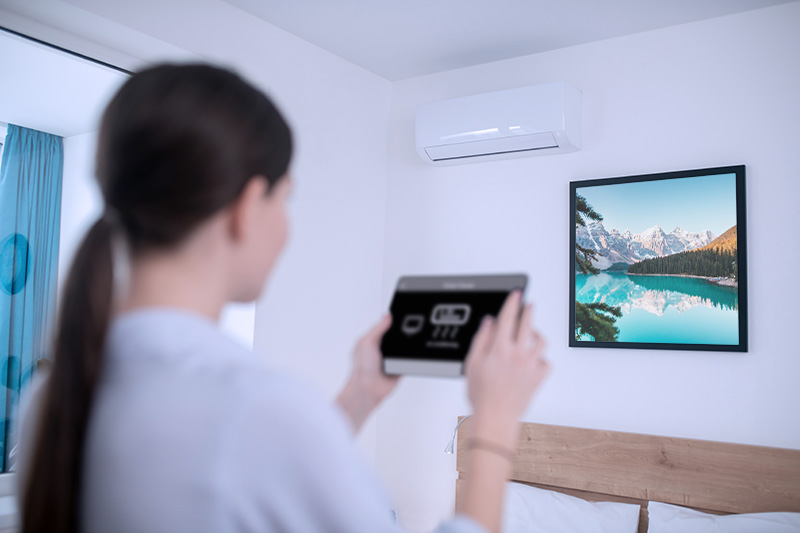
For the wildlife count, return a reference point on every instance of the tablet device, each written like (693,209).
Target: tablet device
(435,317)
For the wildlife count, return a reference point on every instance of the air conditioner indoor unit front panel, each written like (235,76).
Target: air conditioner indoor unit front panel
(539,108)
(535,120)
(520,143)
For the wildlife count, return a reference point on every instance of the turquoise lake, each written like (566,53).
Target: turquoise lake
(665,308)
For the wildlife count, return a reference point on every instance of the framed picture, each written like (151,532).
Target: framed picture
(659,261)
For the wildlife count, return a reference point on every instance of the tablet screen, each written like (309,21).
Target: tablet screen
(434,319)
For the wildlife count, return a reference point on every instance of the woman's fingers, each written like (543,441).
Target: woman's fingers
(483,339)
(525,329)
(542,362)
(539,343)
(508,318)
(481,342)
(373,336)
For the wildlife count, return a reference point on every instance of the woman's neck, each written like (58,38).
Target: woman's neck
(190,277)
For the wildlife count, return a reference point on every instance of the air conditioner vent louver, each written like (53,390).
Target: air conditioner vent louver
(523,143)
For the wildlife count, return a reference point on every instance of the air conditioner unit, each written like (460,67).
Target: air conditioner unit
(535,120)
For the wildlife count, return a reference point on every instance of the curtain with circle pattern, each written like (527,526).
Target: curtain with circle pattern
(30,219)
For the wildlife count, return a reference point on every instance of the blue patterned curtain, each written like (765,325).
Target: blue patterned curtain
(30,222)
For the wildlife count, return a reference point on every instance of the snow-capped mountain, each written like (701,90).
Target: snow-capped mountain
(615,247)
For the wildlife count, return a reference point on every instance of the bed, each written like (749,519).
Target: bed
(714,477)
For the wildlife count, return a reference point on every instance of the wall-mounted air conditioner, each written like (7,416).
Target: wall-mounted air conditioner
(535,120)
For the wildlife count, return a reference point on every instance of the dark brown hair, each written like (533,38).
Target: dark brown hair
(176,145)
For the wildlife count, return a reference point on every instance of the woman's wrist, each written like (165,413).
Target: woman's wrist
(507,453)
(356,403)
(498,429)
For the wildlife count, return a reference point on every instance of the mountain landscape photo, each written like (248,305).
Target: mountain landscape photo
(675,282)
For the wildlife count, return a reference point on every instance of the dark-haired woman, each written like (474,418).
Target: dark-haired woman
(151,419)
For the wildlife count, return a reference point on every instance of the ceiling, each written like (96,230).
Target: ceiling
(395,39)
(400,39)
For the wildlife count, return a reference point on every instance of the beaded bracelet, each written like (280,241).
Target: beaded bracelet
(490,446)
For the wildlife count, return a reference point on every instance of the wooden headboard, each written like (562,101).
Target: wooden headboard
(598,465)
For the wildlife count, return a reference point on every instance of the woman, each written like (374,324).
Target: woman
(151,419)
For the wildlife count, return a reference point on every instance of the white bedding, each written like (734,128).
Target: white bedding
(666,518)
(533,510)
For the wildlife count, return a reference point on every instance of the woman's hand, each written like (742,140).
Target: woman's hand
(368,385)
(504,367)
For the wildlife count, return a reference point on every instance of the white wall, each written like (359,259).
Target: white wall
(714,93)
(81,202)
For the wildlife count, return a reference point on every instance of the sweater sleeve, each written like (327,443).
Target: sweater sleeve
(296,467)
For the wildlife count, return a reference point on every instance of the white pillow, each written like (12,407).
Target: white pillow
(666,518)
(533,510)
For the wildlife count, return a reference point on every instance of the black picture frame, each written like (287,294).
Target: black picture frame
(677,282)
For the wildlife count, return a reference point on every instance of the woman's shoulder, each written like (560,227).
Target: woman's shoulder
(191,345)
(170,334)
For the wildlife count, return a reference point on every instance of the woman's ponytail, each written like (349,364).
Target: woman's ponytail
(52,495)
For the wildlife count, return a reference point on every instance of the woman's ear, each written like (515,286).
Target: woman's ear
(244,209)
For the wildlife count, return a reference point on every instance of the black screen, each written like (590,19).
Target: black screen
(437,325)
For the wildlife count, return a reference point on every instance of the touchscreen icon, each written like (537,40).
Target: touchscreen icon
(447,318)
(450,314)
(412,324)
